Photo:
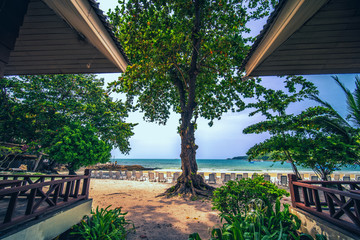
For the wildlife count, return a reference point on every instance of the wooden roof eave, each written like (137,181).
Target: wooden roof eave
(81,16)
(292,16)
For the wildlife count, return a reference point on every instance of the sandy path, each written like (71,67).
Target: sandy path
(154,218)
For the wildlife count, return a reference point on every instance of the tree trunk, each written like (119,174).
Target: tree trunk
(189,183)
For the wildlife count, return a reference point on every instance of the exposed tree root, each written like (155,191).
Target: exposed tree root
(192,186)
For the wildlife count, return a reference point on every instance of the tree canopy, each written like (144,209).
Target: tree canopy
(35,108)
(186,58)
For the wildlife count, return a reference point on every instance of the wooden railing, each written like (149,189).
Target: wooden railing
(24,197)
(337,202)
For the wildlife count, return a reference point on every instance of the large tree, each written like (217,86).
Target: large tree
(187,56)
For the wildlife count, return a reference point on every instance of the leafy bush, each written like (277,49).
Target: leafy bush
(104,224)
(236,196)
(265,223)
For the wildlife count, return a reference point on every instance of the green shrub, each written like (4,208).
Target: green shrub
(103,224)
(236,196)
(263,223)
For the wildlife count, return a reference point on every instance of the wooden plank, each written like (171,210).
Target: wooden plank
(53,57)
(53,42)
(64,65)
(311,66)
(35,26)
(330,45)
(294,71)
(325,21)
(4,53)
(329,27)
(67,61)
(62,71)
(327,51)
(45,36)
(73,47)
(297,62)
(313,36)
(90,54)
(340,56)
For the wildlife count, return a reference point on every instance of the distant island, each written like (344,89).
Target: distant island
(263,158)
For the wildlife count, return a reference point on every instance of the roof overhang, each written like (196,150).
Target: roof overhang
(308,37)
(81,15)
(57,37)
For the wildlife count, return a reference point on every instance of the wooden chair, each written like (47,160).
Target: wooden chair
(245,175)
(161,177)
(232,176)
(267,177)
(212,178)
(239,176)
(227,178)
(151,177)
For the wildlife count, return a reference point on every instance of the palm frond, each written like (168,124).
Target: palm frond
(352,106)
(357,98)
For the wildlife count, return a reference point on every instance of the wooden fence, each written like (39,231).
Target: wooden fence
(337,202)
(24,197)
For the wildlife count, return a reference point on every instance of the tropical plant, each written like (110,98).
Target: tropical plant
(103,224)
(78,146)
(235,197)
(35,105)
(273,104)
(187,58)
(36,108)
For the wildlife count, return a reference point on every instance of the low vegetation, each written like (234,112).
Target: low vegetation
(103,224)
(251,209)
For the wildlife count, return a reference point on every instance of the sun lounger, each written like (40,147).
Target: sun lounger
(94,173)
(245,175)
(100,175)
(202,175)
(212,178)
(267,177)
(346,177)
(239,176)
(111,175)
(283,180)
(302,176)
(176,176)
(168,176)
(227,178)
(222,176)
(128,175)
(161,177)
(139,176)
(151,177)
(337,177)
(232,176)
(314,178)
(254,175)
(357,177)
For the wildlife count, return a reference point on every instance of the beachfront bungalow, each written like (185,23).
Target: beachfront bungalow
(51,37)
(314,37)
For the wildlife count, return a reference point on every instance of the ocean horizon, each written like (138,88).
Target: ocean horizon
(220,165)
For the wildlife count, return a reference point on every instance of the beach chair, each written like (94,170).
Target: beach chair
(111,175)
(161,177)
(176,176)
(302,176)
(168,176)
(357,177)
(128,175)
(212,178)
(227,178)
(278,178)
(314,178)
(133,175)
(328,177)
(222,176)
(94,174)
(239,176)
(346,177)
(337,177)
(151,177)
(232,176)
(202,175)
(283,180)
(267,177)
(117,175)
(139,176)
(100,175)
(245,175)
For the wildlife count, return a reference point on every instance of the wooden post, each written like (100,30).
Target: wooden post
(294,190)
(86,186)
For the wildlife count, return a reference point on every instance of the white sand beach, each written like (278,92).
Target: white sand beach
(155,218)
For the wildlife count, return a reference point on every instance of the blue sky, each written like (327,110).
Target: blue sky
(224,139)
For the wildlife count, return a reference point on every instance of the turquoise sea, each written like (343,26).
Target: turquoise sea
(217,165)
